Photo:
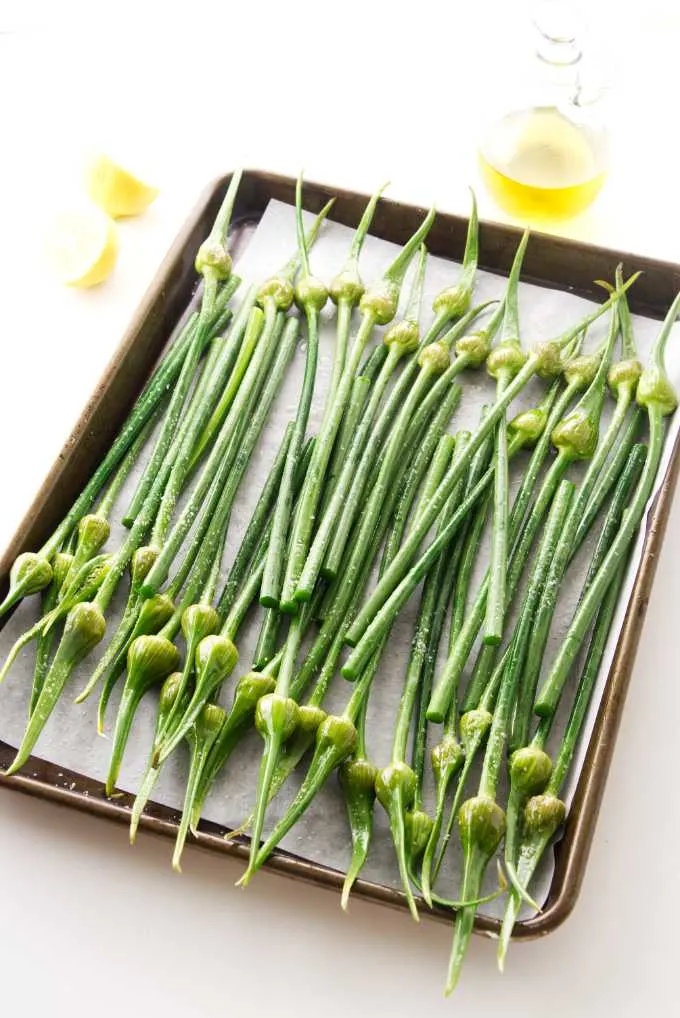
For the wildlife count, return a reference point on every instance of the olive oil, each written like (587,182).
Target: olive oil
(539,165)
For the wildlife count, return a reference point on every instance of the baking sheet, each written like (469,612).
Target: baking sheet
(70,738)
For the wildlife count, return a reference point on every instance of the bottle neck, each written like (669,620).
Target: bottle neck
(557,48)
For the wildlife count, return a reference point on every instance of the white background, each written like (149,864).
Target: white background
(355,93)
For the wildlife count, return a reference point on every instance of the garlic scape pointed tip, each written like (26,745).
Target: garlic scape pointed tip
(395,790)
(206,729)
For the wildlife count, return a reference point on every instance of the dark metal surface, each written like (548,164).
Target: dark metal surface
(550,261)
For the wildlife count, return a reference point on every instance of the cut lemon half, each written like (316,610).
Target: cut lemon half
(116,190)
(82,246)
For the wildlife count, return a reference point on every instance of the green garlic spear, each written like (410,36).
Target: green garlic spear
(530,767)
(506,354)
(310,296)
(529,428)
(83,630)
(220,371)
(543,359)
(212,656)
(575,438)
(503,364)
(205,493)
(150,660)
(454,301)
(358,400)
(31,572)
(335,740)
(400,501)
(481,821)
(328,645)
(573,442)
(61,564)
(275,296)
(333,743)
(357,406)
(401,339)
(441,409)
(405,588)
(346,292)
(444,584)
(517,650)
(201,735)
(623,380)
(277,713)
(139,616)
(526,519)
(166,700)
(155,612)
(656,394)
(197,435)
(265,648)
(272,618)
(225,461)
(258,523)
(354,782)
(211,651)
(384,437)
(133,622)
(145,615)
(213,398)
(343,508)
(622,377)
(213,263)
(446,756)
(250,687)
(436,373)
(449,304)
(607,563)
(357,780)
(397,784)
(94,529)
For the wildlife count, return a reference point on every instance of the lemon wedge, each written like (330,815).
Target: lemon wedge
(116,190)
(82,246)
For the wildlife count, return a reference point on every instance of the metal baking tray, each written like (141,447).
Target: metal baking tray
(550,261)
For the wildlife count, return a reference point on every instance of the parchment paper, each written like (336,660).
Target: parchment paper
(70,738)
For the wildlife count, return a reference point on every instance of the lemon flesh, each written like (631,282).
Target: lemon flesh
(82,246)
(116,190)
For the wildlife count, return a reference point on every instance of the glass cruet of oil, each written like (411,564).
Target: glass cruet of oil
(543,156)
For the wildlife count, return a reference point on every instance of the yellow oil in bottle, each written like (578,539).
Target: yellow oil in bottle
(539,165)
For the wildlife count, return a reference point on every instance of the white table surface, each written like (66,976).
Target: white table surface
(89,926)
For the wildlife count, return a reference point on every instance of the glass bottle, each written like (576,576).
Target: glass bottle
(544,155)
